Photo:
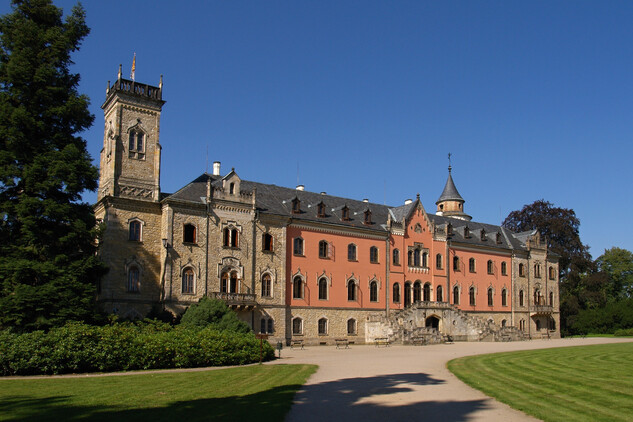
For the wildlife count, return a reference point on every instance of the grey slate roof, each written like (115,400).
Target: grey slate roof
(450,192)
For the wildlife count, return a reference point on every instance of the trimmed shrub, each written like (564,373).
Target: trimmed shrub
(624,333)
(215,313)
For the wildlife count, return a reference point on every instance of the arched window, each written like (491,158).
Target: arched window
(410,258)
(396,293)
(456,263)
(504,268)
(551,299)
(187,281)
(503,322)
(351,290)
(297,246)
(521,298)
(537,270)
(351,252)
(537,297)
(471,296)
(521,270)
(396,257)
(427,292)
(297,288)
(322,326)
(232,188)
(438,261)
(522,325)
(490,297)
(407,293)
(425,259)
(490,267)
(416,257)
(267,242)
(230,237)
(373,255)
(504,297)
(351,326)
(135,231)
(322,288)
(552,273)
(136,144)
(471,265)
(438,294)
(224,283)
(133,279)
(189,233)
(323,249)
(266,285)
(417,291)
(234,239)
(373,291)
(266,326)
(456,295)
(297,326)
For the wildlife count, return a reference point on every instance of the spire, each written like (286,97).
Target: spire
(450,192)
(451,203)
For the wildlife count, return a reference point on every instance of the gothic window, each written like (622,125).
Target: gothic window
(322,288)
(351,290)
(297,246)
(133,279)
(351,252)
(297,288)
(456,263)
(351,326)
(267,242)
(521,298)
(417,291)
(490,267)
(323,249)
(537,270)
(438,295)
(231,237)
(373,291)
(136,145)
(503,323)
(471,296)
(456,295)
(135,231)
(521,270)
(425,259)
(396,257)
(552,273)
(189,233)
(416,257)
(322,326)
(228,282)
(490,297)
(471,265)
(504,268)
(373,255)
(504,297)
(427,292)
(187,281)
(297,326)
(396,293)
(438,261)
(266,285)
(551,299)
(537,297)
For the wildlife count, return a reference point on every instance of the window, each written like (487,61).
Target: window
(490,267)
(189,233)
(396,293)
(522,325)
(471,265)
(351,326)
(466,232)
(438,294)
(521,298)
(449,229)
(538,324)
(297,246)
(417,291)
(228,283)
(322,326)
(266,326)
(321,210)
(456,295)
(297,288)
(456,263)
(133,279)
(351,290)
(187,281)
(425,260)
(296,206)
(373,255)
(521,270)
(367,217)
(351,252)
(373,291)
(552,273)
(322,288)
(438,261)
(232,188)
(297,326)
(504,297)
(396,257)
(137,145)
(537,270)
(267,242)
(482,235)
(323,249)
(230,238)
(270,326)
(490,297)
(503,323)
(504,268)
(551,299)
(471,296)
(427,292)
(416,257)
(498,238)
(266,285)
(345,214)
(537,297)
(135,231)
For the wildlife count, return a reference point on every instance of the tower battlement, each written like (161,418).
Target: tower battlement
(135,88)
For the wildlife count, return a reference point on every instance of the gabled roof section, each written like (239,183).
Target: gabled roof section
(195,190)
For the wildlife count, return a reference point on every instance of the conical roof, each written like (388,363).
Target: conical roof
(450,192)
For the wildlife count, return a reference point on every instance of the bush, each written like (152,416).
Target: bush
(624,333)
(215,313)
(613,316)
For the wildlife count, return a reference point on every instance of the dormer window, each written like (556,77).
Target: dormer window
(321,210)
(483,237)
(449,229)
(466,232)
(296,206)
(367,217)
(498,238)
(345,214)
(232,188)
(137,145)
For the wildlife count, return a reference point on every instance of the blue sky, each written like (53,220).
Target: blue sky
(365,99)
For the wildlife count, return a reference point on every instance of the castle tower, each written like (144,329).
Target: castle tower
(451,203)
(130,158)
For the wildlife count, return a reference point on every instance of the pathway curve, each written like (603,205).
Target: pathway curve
(367,383)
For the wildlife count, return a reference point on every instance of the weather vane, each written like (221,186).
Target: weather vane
(449,162)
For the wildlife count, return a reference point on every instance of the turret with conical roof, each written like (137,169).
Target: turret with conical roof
(451,203)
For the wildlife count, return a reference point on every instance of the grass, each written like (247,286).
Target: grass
(257,392)
(585,383)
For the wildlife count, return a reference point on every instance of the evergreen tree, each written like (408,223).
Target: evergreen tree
(48,267)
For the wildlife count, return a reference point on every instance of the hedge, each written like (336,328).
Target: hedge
(78,347)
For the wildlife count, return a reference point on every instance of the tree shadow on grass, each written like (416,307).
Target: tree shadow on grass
(347,398)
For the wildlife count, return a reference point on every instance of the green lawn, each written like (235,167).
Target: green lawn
(257,392)
(586,383)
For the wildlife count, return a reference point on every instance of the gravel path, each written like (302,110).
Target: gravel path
(367,383)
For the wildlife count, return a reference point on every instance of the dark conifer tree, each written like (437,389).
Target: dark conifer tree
(48,267)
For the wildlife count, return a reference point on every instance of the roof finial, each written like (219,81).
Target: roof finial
(449,162)
(119,74)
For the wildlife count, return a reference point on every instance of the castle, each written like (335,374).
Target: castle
(301,265)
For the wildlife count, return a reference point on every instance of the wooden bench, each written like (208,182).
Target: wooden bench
(419,341)
(382,341)
(340,342)
(296,343)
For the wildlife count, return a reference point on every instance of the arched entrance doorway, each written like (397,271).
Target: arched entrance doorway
(432,322)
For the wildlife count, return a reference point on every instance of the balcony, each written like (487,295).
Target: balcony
(542,310)
(237,301)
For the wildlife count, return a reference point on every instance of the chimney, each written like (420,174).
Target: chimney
(216,168)
(365,200)
(408,201)
(301,187)
(323,193)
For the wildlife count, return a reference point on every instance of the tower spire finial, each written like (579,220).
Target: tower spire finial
(119,75)
(449,162)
